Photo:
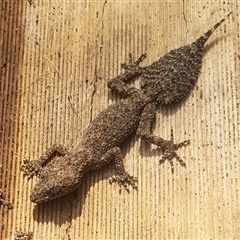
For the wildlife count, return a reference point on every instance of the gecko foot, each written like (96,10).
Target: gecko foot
(4,202)
(30,168)
(124,181)
(134,65)
(170,153)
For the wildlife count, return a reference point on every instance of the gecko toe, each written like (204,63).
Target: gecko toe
(141,58)
(169,156)
(124,181)
(132,65)
(30,168)
(181,144)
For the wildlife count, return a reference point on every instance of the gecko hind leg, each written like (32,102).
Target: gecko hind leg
(168,147)
(170,152)
(119,83)
(32,167)
(133,64)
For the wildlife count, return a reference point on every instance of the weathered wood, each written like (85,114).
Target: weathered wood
(66,51)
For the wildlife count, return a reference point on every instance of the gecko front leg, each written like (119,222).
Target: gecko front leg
(169,148)
(32,167)
(122,177)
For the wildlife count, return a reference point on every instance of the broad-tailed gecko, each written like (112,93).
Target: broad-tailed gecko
(165,81)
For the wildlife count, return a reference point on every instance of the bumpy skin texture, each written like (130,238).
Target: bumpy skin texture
(165,81)
(174,75)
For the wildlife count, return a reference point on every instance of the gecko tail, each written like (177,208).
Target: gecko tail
(209,32)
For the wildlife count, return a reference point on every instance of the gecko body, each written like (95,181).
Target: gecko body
(167,80)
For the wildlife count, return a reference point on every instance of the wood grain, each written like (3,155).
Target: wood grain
(56,60)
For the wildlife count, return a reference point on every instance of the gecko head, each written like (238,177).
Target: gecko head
(57,179)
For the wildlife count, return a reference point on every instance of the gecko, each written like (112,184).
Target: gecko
(165,81)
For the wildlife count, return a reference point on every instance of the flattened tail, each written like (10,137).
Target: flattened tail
(209,32)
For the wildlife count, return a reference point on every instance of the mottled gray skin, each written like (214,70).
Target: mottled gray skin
(165,81)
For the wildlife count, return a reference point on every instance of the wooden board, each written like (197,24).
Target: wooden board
(56,58)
